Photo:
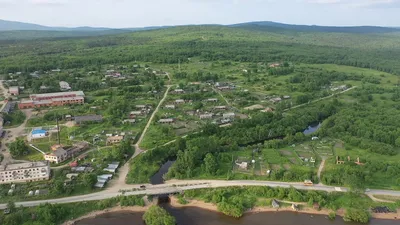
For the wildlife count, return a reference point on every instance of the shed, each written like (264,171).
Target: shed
(229,115)
(88,118)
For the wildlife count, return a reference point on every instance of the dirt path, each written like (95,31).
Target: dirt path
(152,117)
(4,93)
(317,100)
(379,200)
(321,168)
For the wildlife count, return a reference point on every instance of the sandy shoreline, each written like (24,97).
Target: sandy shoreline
(212,207)
(110,210)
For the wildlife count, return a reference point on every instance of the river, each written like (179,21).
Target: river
(312,128)
(197,216)
(158,177)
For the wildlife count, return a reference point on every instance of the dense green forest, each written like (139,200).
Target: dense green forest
(377,51)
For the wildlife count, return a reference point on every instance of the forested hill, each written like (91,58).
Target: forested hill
(209,43)
(272,26)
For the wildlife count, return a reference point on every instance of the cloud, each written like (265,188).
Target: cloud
(47,2)
(359,3)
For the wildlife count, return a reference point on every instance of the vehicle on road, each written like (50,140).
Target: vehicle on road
(308,183)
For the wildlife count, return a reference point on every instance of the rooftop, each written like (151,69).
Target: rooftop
(88,118)
(39,131)
(24,165)
(58,94)
(115,138)
(14,88)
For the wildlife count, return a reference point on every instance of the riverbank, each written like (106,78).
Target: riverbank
(174,202)
(110,210)
(307,210)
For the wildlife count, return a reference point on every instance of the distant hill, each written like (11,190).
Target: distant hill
(273,26)
(14,31)
(6,25)
(11,30)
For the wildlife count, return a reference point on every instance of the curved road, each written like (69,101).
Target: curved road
(176,186)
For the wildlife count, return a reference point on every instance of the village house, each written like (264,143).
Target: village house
(225,88)
(114,140)
(221,107)
(130,121)
(166,121)
(179,91)
(212,100)
(242,165)
(170,106)
(88,118)
(64,86)
(43,88)
(57,156)
(195,83)
(24,172)
(179,101)
(14,90)
(275,100)
(134,114)
(268,109)
(273,65)
(206,116)
(229,115)
(8,107)
(60,154)
(141,107)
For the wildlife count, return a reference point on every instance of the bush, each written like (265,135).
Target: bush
(182,200)
(158,216)
(356,215)
(332,215)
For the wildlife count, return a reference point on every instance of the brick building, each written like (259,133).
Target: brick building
(53,99)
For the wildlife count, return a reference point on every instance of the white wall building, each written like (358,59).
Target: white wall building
(24,172)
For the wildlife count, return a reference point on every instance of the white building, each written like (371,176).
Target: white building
(35,134)
(229,115)
(24,172)
(206,116)
(64,86)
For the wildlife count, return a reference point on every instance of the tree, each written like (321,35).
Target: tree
(156,215)
(356,215)
(89,179)
(17,148)
(11,206)
(211,164)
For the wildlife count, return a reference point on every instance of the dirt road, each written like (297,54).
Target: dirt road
(11,135)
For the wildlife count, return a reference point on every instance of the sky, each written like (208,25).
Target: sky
(141,13)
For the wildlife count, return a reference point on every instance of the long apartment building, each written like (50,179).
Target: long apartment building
(53,99)
(24,172)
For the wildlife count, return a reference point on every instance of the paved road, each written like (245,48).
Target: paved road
(175,186)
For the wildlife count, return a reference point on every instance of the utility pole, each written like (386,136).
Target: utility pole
(58,132)
(179,65)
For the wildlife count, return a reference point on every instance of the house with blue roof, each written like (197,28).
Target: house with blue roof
(39,133)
